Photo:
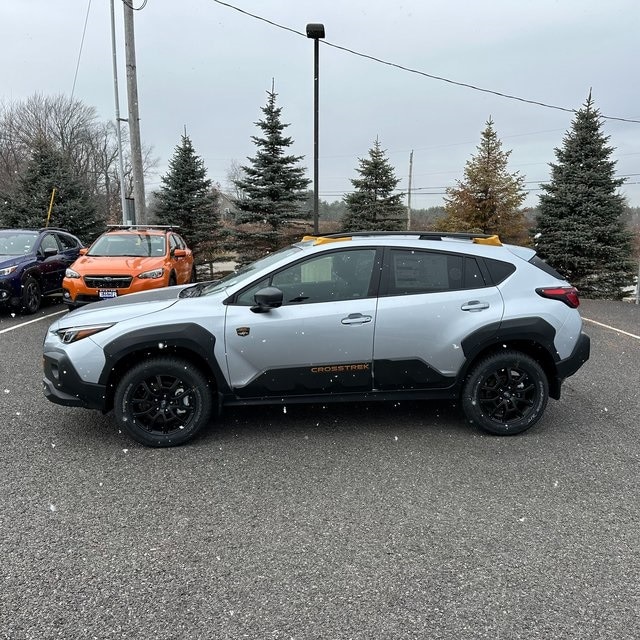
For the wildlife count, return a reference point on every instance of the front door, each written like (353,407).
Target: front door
(320,341)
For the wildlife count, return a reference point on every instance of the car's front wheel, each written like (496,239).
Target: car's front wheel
(506,393)
(163,402)
(31,295)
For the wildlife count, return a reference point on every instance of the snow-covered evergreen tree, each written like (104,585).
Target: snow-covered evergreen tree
(73,208)
(373,205)
(273,187)
(186,198)
(580,229)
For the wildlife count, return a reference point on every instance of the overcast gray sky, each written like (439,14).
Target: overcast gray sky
(207,67)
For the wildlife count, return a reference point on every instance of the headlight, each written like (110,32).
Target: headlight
(70,273)
(7,270)
(73,334)
(155,273)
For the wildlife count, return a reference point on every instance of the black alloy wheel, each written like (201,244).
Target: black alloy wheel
(506,394)
(31,295)
(163,402)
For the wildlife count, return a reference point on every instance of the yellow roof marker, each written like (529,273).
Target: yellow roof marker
(323,240)
(493,240)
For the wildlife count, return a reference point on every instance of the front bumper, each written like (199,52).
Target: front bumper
(62,384)
(9,292)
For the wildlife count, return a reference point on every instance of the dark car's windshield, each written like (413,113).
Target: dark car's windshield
(17,243)
(128,244)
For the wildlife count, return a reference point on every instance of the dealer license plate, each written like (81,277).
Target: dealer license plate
(108,293)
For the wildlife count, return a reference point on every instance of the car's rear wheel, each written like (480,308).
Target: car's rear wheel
(506,393)
(31,295)
(163,402)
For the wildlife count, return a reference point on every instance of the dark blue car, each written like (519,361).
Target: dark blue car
(32,265)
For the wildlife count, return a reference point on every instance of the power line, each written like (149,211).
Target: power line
(130,5)
(415,71)
(84,31)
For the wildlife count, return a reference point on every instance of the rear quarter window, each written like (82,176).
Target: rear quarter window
(499,270)
(537,261)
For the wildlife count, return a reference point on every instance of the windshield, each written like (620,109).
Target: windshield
(244,273)
(17,243)
(128,244)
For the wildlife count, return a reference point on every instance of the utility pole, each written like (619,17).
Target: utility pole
(409,191)
(123,202)
(134,119)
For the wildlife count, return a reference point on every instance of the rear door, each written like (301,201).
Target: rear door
(429,302)
(320,341)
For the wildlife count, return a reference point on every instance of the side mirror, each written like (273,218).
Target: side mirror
(83,251)
(50,251)
(179,253)
(266,299)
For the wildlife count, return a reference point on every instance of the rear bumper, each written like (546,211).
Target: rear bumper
(578,357)
(568,366)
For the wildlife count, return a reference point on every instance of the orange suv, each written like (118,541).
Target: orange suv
(127,259)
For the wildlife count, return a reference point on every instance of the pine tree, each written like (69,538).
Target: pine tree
(273,187)
(580,229)
(373,206)
(186,198)
(73,208)
(489,198)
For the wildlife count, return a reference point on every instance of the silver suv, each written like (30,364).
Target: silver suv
(343,317)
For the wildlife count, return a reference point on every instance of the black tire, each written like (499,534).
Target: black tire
(506,393)
(31,295)
(172,280)
(163,402)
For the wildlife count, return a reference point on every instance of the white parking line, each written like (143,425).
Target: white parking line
(606,326)
(24,324)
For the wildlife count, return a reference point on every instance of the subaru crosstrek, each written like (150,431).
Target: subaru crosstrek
(345,317)
(32,265)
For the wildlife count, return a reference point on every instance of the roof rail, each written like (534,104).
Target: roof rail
(133,227)
(422,235)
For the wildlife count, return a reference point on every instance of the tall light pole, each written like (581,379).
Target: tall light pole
(315,31)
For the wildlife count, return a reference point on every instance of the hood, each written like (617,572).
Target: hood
(120,265)
(126,307)
(9,261)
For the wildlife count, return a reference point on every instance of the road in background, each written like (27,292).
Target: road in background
(368,521)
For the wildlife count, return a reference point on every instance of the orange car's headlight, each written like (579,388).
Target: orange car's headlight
(154,274)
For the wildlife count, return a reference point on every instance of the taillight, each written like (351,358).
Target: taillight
(568,295)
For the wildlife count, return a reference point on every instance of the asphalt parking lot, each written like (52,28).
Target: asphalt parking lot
(371,521)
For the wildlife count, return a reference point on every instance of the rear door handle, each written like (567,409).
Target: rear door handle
(356,318)
(475,305)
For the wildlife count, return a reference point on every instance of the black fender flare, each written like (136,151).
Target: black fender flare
(532,330)
(186,336)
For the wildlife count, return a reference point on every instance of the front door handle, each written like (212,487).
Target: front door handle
(475,305)
(356,318)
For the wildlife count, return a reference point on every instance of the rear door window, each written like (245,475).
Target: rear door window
(411,271)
